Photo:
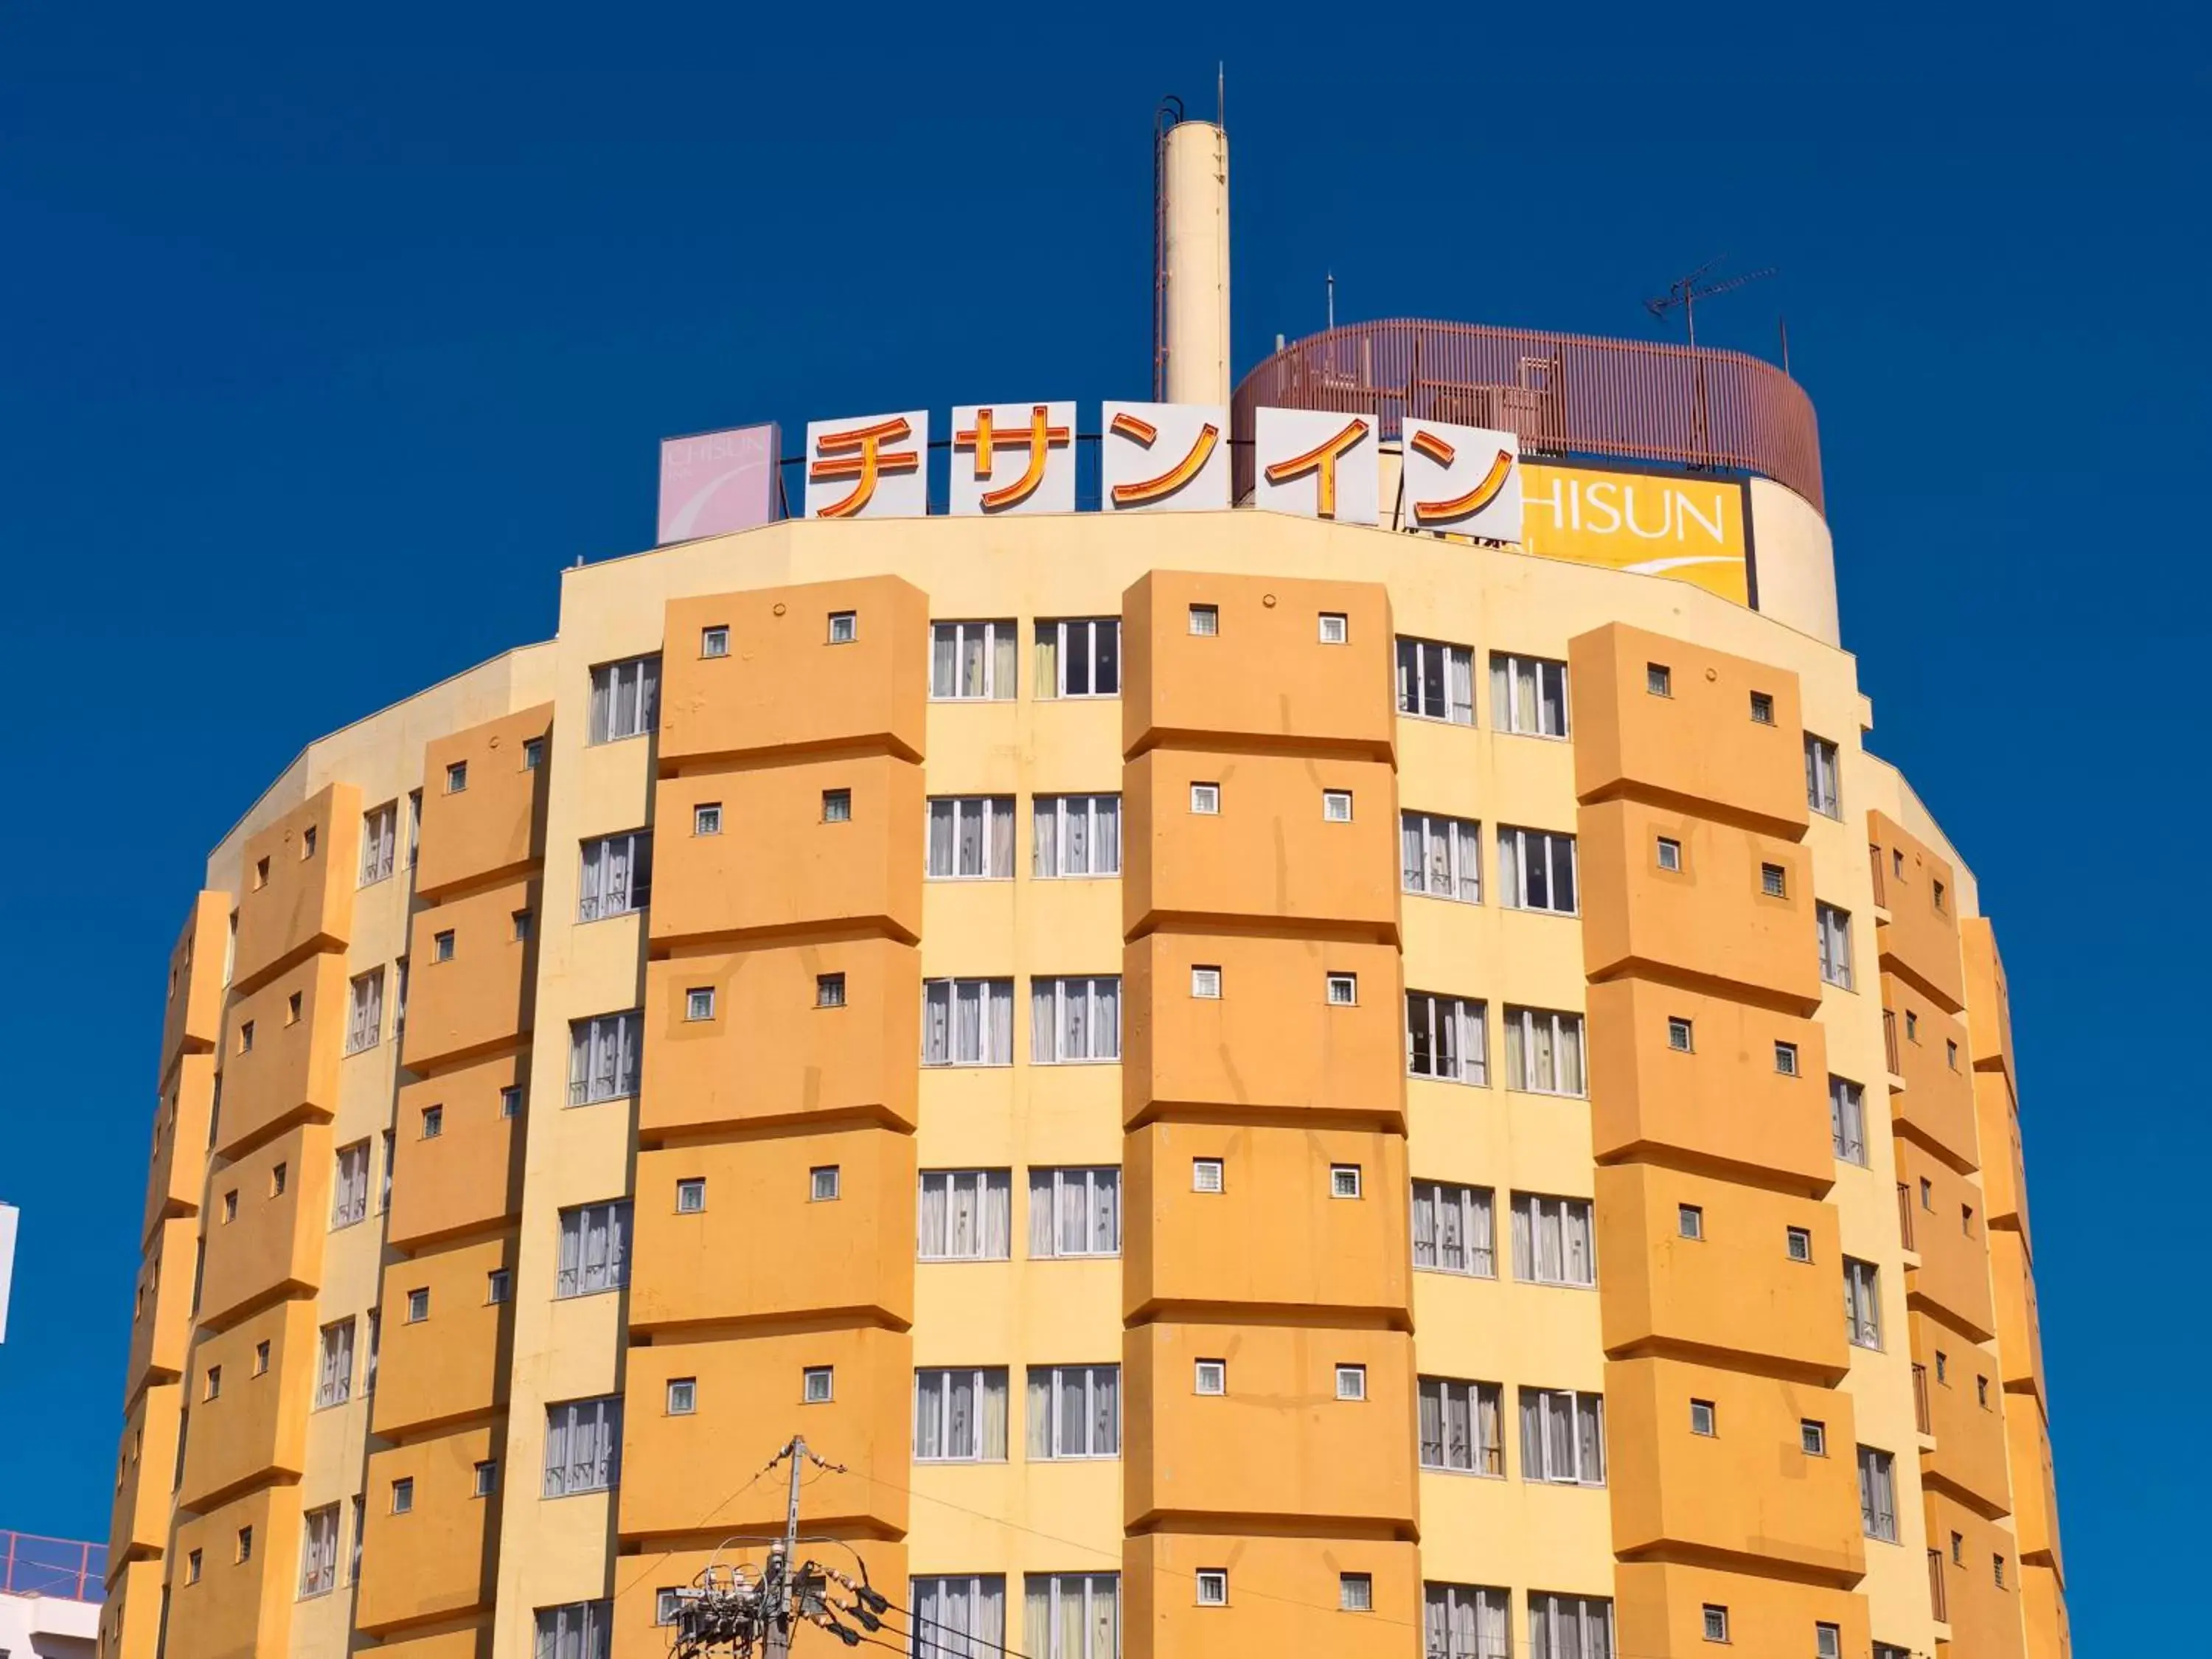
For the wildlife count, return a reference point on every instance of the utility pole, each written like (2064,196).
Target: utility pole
(732,1609)
(777,1585)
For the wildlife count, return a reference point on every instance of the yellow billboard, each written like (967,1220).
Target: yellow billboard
(1693,529)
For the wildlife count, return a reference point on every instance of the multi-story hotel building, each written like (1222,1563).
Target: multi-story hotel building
(1250,1084)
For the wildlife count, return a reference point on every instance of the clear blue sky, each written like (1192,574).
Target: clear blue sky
(331,335)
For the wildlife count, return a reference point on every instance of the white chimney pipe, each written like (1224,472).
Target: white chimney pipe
(1195,179)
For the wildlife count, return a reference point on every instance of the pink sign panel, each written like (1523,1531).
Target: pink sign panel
(718,481)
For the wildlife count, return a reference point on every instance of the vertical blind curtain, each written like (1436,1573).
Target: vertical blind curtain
(581,1630)
(1444,1038)
(1452,1230)
(1544,1051)
(968,1022)
(1528,694)
(964,1215)
(1552,1241)
(1075,1019)
(1441,856)
(962,1618)
(972,836)
(595,1249)
(1562,1437)
(603,1057)
(1072,1615)
(1536,871)
(1075,1212)
(1570,1627)
(583,1446)
(625,698)
(1074,1411)
(1462,1425)
(1462,1621)
(1077,835)
(617,877)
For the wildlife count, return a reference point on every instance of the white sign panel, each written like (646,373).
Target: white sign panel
(868,466)
(1013,458)
(1465,480)
(1156,456)
(1316,464)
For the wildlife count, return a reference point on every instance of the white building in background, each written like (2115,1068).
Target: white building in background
(51,1588)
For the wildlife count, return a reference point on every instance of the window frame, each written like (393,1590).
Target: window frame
(1509,671)
(999,652)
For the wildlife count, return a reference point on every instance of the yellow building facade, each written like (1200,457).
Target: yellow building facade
(1248,1085)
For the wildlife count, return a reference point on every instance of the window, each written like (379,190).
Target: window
(837,806)
(667,1606)
(1205,983)
(964,1215)
(1716,1623)
(844,627)
(534,753)
(1951,1053)
(318,1551)
(1352,1382)
(1335,628)
(825,1185)
(1877,1494)
(211,1384)
(403,1496)
(1570,1627)
(580,1630)
(1436,682)
(691,1195)
(682,1399)
(964,1617)
(1446,1038)
(715,641)
(414,825)
(522,920)
(1544,1051)
(1529,696)
(960,1415)
(510,1101)
(972,659)
(334,1370)
(594,1249)
(1658,679)
(1079,659)
(1703,1417)
(192,1567)
(1441,856)
(484,1478)
(968,1022)
(384,1183)
(1823,792)
(1213,1587)
(1075,1212)
(1812,1438)
(1800,1242)
(229,1206)
(1827,1641)
(1075,1019)
(617,877)
(1355,1592)
(1967,1219)
(1562,1437)
(1553,1243)
(499,1287)
(1206,1174)
(246,1037)
(1762,707)
(277,1181)
(1997,1570)
(603,1057)
(457,777)
(1847,1120)
(1943,1368)
(1344,1180)
(365,1021)
(1835,933)
(707,818)
(1677,1035)
(971,837)
(1205,800)
(1071,1615)
(1982,1392)
(308,844)
(380,846)
(1690,1220)
(583,1446)
(418,1305)
(1452,1229)
(1669,853)
(1785,1058)
(1466,1621)
(434,1123)
(441,945)
(350,1186)
(1957,1550)
(1074,1411)
(1343,990)
(1935,893)
(1773,881)
(1536,871)
(625,699)
(261,1358)
(1336,805)
(1077,835)
(1210,1376)
(1206,620)
(699,1003)
(1862,1303)
(1462,1425)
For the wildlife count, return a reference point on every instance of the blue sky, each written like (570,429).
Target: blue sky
(332,335)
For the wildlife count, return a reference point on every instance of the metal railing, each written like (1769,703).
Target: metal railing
(1568,396)
(30,1565)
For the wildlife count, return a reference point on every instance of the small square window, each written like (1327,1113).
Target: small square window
(1658,679)
(261,1358)
(1762,707)
(211,1384)
(418,1305)
(402,1495)
(1355,1592)
(441,945)
(487,1478)
(1801,1244)
(1982,1392)
(1335,628)
(1827,1641)
(1951,1053)
(667,1606)
(192,1567)
(1670,852)
(1911,1025)
(699,1003)
(1206,798)
(1206,620)
(1785,1058)
(690,1195)
(1213,1587)
(707,818)
(818,1386)
(682,1395)
(245,1545)
(1703,1420)
(1997,1570)
(1690,1220)
(260,874)
(1677,1035)
(1206,1175)
(1927,1194)
(837,807)
(522,920)
(1210,1376)
(534,753)
(246,1037)
(828,990)
(1773,880)
(499,1286)
(434,1123)
(1344,1180)
(825,1183)
(1967,1219)
(844,627)
(1351,1382)
(292,1006)
(1336,805)
(1943,1367)
(276,1180)
(1206,984)
(1896,862)
(307,843)
(1812,1438)
(1716,1623)
(1936,890)
(1343,990)
(510,1101)
(230,1206)
(457,777)
(1957,1549)
(713,642)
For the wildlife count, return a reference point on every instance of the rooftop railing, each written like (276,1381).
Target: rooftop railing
(30,1565)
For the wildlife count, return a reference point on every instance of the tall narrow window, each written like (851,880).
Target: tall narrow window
(1536,871)
(349,1190)
(583,1446)
(1863,1303)
(1529,696)
(964,1215)
(972,659)
(334,1370)
(1877,1494)
(1562,1437)
(594,1249)
(1544,1051)
(1442,857)
(380,843)
(971,837)
(625,699)
(1077,835)
(1453,1232)
(1074,1411)
(1068,1615)
(365,1012)
(1835,935)
(960,1415)
(1553,1243)
(1075,1019)
(617,876)
(1466,1621)
(1436,682)
(1462,1425)
(1079,659)
(1446,1038)
(1823,792)
(318,1551)
(1847,1120)
(603,1057)
(968,1022)
(1075,1212)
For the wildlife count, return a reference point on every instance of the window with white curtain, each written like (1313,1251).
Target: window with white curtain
(961,1616)
(1079,658)
(625,699)
(1447,1038)
(1544,1051)
(1877,1494)
(964,1215)
(1466,1621)
(603,1053)
(1074,1411)
(971,837)
(1077,835)
(380,843)
(1536,871)
(350,1186)
(1072,1615)
(1462,1425)
(579,1629)
(594,1249)
(1570,1627)
(365,1012)
(1847,1120)
(1075,1212)
(617,877)
(1074,1020)
(972,659)
(1835,934)
(334,1365)
(1823,791)
(318,1551)
(1863,1303)
(1563,1437)
(1453,1232)
(1441,857)
(1436,682)
(1529,696)
(583,1446)
(1552,1240)
(960,1415)
(968,1022)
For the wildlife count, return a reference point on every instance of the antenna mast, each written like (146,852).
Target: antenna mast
(1687,291)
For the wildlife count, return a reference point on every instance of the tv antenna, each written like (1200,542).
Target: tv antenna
(1687,291)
